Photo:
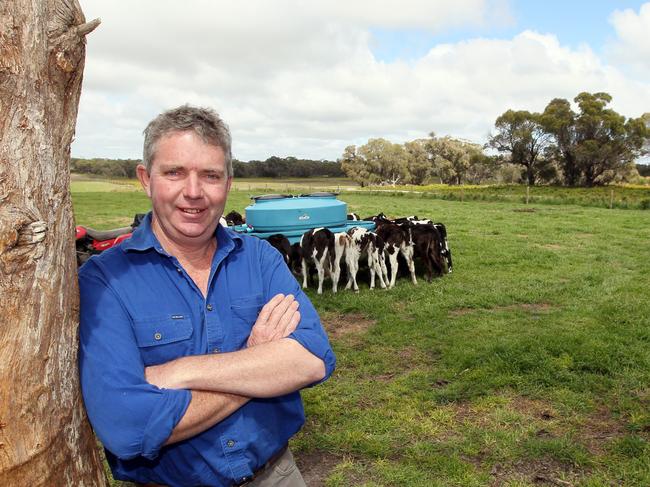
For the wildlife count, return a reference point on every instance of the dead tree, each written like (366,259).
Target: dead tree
(45,438)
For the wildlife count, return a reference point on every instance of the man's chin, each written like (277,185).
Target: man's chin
(195,232)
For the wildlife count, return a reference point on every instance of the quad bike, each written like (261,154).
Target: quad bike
(90,242)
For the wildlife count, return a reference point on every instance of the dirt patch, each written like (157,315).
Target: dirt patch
(534,408)
(464,311)
(537,472)
(600,429)
(552,247)
(595,433)
(530,307)
(316,466)
(339,325)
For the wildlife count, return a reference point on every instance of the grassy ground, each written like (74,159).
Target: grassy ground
(622,196)
(528,365)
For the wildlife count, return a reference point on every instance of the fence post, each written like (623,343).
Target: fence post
(611,199)
(527,194)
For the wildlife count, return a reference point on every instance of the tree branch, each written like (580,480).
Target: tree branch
(88,27)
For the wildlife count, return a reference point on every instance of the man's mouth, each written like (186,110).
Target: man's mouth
(192,211)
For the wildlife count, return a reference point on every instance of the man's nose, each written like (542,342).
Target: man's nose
(193,189)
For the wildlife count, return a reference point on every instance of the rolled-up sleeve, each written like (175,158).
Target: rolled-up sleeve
(309,333)
(130,416)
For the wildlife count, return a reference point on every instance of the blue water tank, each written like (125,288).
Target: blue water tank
(282,213)
(294,215)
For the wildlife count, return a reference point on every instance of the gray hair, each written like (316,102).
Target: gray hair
(205,123)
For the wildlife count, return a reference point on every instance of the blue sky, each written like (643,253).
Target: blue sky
(573,22)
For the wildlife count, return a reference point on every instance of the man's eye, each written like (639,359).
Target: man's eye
(172,172)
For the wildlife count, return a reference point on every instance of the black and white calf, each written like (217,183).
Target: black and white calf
(318,247)
(445,251)
(396,240)
(364,243)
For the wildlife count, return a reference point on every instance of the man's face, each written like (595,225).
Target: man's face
(188,188)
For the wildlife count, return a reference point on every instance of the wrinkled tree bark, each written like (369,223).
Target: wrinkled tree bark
(45,438)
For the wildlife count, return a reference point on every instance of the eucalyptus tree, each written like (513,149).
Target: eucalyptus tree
(419,161)
(595,145)
(379,161)
(45,438)
(523,138)
(607,142)
(453,158)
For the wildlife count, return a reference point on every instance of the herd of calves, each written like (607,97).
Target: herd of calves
(410,236)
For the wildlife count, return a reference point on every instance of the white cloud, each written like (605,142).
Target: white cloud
(299,78)
(632,45)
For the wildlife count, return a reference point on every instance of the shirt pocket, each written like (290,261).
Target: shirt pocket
(162,339)
(244,312)
(247,308)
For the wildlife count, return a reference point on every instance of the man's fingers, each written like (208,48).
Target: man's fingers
(292,324)
(277,319)
(276,315)
(266,310)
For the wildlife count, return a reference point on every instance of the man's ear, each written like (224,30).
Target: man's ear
(143,176)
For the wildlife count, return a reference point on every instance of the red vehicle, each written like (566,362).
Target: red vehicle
(90,242)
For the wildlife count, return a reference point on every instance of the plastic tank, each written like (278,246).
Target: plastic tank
(294,215)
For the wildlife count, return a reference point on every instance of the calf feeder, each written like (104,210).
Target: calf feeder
(292,216)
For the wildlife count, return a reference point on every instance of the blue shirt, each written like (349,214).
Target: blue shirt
(140,308)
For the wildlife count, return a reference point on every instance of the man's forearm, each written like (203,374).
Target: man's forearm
(266,370)
(205,410)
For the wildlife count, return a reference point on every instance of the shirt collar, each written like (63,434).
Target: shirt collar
(143,238)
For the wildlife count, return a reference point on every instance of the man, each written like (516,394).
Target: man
(194,340)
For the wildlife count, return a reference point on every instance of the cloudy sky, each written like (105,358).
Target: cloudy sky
(306,78)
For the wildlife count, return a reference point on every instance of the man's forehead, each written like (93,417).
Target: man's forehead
(185,148)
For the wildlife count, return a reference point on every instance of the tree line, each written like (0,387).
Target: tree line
(589,147)
(273,167)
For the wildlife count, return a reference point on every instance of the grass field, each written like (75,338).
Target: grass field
(528,365)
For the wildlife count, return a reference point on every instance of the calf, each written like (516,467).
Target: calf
(413,219)
(445,252)
(234,218)
(342,243)
(281,243)
(427,245)
(353,217)
(318,246)
(362,242)
(397,240)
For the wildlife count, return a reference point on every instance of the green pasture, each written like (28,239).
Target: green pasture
(528,365)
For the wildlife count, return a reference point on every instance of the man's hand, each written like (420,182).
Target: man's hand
(277,319)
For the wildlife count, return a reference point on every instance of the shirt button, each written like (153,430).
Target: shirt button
(179,269)
(158,336)
(230,443)
(209,306)
(216,350)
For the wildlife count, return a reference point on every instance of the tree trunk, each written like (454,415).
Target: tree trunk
(530,175)
(45,438)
